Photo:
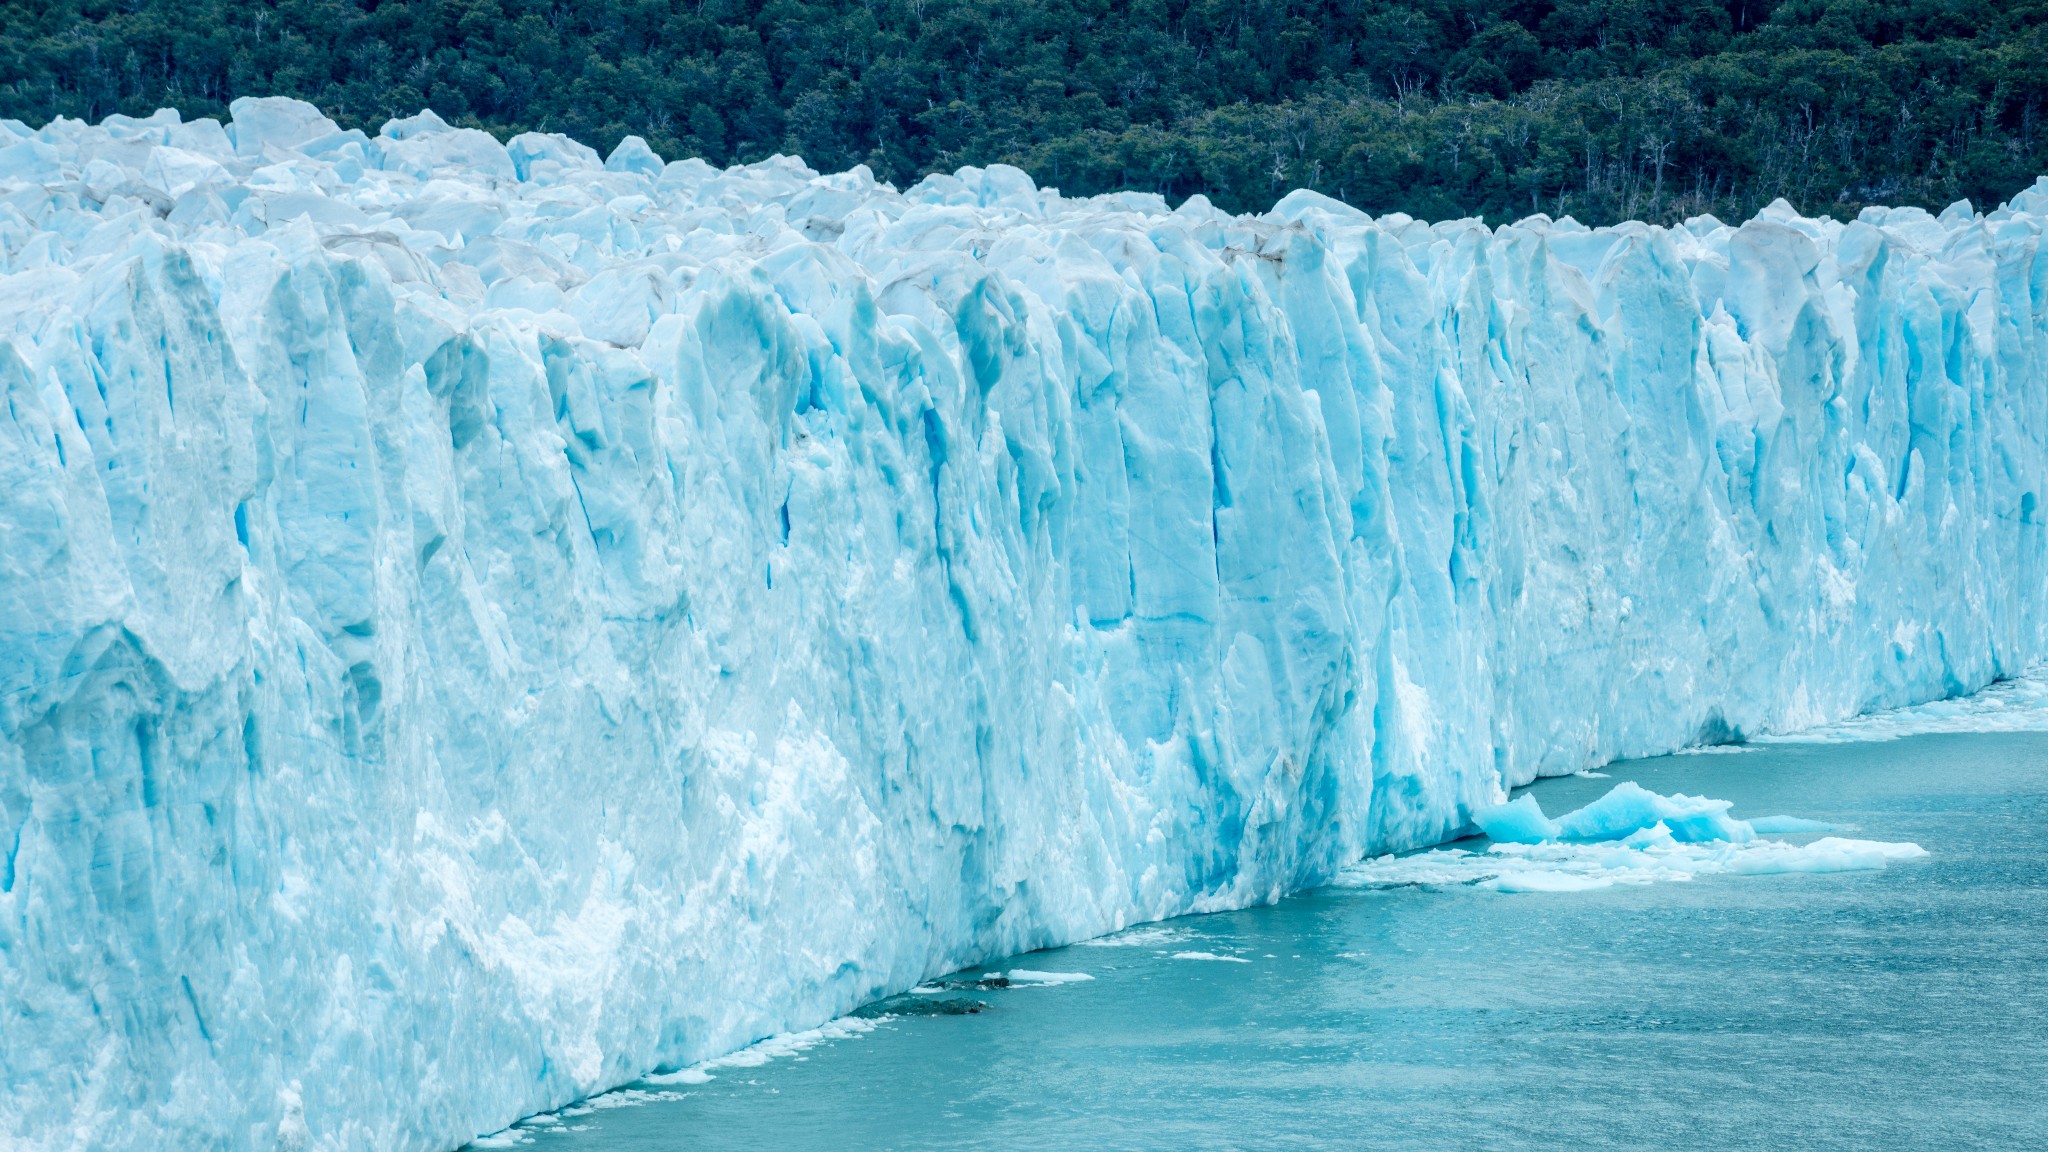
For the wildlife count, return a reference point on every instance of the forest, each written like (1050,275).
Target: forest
(1600,109)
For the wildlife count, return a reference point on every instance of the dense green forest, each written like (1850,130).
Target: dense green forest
(1604,109)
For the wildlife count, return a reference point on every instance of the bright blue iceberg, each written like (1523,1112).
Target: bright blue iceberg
(479,622)
(1519,821)
(1629,807)
(1630,836)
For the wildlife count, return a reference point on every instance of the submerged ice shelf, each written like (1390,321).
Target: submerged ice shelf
(479,623)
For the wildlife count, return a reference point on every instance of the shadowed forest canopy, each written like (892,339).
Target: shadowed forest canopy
(1603,109)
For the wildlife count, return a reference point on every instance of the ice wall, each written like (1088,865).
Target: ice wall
(478,623)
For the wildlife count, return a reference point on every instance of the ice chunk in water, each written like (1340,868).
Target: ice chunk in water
(1028,978)
(1629,836)
(1784,825)
(1629,806)
(1828,854)
(1519,821)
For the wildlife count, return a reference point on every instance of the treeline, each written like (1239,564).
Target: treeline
(1604,109)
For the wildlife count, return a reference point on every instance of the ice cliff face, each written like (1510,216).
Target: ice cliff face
(478,623)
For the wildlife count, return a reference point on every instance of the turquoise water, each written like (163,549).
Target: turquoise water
(1899,1009)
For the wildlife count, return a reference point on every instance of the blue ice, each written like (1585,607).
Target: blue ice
(481,622)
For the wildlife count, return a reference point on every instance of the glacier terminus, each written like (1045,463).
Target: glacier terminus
(482,622)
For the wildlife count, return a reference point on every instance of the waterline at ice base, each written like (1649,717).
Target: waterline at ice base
(481,623)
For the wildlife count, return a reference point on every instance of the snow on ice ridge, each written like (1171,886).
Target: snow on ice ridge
(479,623)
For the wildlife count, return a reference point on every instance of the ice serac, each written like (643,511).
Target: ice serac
(482,622)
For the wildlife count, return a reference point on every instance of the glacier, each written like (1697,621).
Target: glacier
(483,622)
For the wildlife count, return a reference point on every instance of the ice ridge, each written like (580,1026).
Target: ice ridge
(480,623)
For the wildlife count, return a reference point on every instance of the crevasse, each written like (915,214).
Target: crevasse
(478,624)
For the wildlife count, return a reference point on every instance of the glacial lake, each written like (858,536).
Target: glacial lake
(1903,1008)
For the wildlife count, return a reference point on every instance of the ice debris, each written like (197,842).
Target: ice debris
(1787,825)
(1519,821)
(536,617)
(1629,836)
(1625,808)
(1629,807)
(1029,978)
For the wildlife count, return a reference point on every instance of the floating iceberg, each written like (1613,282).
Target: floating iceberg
(1519,821)
(1787,825)
(1629,807)
(480,622)
(1629,836)
(1027,978)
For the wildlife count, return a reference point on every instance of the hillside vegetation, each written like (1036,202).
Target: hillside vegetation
(1604,109)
